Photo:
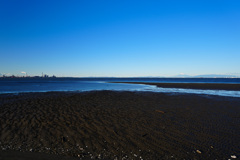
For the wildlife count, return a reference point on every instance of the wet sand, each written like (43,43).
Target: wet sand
(108,125)
(212,86)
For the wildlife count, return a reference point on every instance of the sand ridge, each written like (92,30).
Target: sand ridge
(203,86)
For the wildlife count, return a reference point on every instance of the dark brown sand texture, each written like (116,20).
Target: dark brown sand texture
(123,125)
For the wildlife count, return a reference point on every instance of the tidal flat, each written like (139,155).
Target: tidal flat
(118,124)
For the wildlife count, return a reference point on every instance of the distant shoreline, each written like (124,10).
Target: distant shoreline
(204,86)
(49,77)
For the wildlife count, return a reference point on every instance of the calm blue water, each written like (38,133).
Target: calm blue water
(14,85)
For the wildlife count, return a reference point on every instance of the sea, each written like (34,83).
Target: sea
(20,85)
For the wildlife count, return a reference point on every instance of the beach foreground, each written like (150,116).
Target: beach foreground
(123,125)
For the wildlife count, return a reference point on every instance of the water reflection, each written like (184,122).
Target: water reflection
(191,91)
(81,86)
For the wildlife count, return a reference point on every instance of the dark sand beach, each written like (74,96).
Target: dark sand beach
(122,125)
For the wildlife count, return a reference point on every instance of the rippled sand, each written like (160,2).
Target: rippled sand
(128,125)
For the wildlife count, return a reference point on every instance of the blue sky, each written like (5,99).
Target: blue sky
(121,38)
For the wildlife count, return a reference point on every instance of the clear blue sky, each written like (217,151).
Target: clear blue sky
(120,37)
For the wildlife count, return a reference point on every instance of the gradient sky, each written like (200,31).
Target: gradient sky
(120,37)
